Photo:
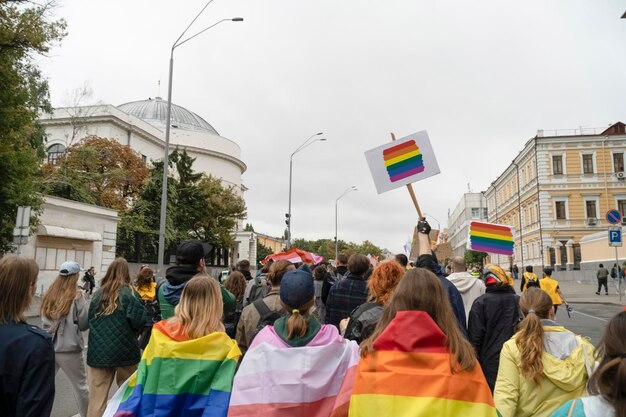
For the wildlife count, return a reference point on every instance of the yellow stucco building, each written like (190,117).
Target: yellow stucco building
(556,191)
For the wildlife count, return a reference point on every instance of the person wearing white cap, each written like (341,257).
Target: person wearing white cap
(64,313)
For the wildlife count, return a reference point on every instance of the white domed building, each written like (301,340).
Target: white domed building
(65,227)
(141,125)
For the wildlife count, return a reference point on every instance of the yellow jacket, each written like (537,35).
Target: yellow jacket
(147,294)
(550,285)
(565,374)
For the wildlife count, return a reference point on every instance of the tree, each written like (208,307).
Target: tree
(26,30)
(98,171)
(248,228)
(138,231)
(474,258)
(262,251)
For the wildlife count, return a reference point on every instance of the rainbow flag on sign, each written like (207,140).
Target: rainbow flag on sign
(492,238)
(409,375)
(179,377)
(276,380)
(403,160)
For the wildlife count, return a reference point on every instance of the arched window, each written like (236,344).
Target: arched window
(55,152)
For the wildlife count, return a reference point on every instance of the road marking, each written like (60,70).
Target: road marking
(589,315)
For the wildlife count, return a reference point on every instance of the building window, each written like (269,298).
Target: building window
(484,213)
(588,163)
(54,153)
(475,213)
(590,206)
(618,162)
(621,206)
(559,207)
(557,165)
(144,158)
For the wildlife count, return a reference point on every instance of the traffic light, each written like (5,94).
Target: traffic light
(287,218)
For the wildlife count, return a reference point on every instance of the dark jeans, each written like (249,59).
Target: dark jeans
(601,282)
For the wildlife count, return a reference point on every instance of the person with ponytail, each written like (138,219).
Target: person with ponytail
(543,365)
(607,385)
(64,316)
(296,367)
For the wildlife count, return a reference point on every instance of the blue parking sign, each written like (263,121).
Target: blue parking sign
(615,236)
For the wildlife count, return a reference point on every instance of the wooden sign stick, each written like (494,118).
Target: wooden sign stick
(410,188)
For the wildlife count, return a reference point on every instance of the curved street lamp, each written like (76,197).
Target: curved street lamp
(176,44)
(352,188)
(305,144)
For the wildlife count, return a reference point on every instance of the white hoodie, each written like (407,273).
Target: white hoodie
(470,288)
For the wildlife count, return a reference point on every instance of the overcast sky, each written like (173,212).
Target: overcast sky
(480,76)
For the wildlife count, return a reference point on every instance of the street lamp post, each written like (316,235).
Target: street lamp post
(301,147)
(352,188)
(176,44)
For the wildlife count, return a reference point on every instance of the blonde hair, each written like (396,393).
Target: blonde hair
(116,277)
(297,323)
(535,304)
(420,290)
(200,309)
(58,299)
(17,279)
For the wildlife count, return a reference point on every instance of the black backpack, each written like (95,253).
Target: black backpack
(231,320)
(268,317)
(363,321)
(258,291)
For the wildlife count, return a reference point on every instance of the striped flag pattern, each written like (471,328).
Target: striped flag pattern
(277,380)
(179,377)
(403,160)
(409,375)
(492,238)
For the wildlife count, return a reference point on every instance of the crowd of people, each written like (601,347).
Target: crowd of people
(304,340)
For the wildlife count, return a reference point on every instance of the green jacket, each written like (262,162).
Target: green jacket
(113,338)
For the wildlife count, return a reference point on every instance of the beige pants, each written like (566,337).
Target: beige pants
(73,364)
(100,380)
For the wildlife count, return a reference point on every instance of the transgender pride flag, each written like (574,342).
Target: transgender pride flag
(402,162)
(276,380)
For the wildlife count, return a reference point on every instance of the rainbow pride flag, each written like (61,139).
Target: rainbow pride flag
(492,238)
(276,380)
(179,377)
(403,160)
(409,375)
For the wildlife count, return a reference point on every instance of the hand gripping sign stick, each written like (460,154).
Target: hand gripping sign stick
(410,188)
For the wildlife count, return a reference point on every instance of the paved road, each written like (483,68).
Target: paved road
(587,319)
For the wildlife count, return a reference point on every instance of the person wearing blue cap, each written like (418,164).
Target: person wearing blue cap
(296,351)
(64,314)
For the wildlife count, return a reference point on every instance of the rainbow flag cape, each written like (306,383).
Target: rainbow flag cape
(277,380)
(492,238)
(409,375)
(179,377)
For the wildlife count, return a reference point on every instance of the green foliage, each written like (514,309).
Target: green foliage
(474,258)
(26,30)
(262,251)
(248,228)
(326,247)
(198,207)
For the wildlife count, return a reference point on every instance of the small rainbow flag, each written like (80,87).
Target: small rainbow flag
(409,374)
(179,377)
(403,160)
(492,238)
